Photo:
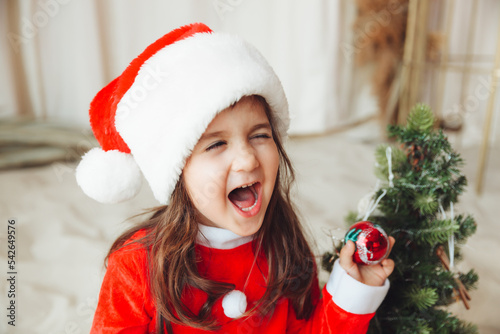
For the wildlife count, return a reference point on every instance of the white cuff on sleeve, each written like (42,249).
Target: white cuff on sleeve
(352,295)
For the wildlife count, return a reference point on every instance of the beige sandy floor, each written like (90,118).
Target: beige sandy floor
(63,235)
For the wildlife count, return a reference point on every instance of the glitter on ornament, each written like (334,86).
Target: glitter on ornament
(372,243)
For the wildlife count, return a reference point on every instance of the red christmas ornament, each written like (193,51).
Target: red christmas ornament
(372,243)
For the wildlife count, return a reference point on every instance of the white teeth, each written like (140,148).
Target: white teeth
(254,204)
(248,185)
(249,208)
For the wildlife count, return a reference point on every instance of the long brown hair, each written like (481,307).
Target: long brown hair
(170,241)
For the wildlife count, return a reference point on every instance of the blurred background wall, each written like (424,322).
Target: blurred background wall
(56,54)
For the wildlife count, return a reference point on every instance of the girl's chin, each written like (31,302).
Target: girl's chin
(245,229)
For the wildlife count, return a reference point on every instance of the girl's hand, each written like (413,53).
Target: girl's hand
(374,275)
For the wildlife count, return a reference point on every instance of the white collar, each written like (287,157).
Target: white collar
(219,238)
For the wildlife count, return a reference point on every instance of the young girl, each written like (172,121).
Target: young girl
(202,116)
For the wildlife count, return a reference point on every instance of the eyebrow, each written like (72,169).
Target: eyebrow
(215,134)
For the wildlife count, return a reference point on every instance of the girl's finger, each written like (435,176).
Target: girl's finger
(392,241)
(388,266)
(346,254)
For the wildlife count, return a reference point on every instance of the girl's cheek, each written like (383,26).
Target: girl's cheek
(211,181)
(204,194)
(272,156)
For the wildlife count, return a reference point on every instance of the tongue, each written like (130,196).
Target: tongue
(242,197)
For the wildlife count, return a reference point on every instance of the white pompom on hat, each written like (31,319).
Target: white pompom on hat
(108,177)
(150,117)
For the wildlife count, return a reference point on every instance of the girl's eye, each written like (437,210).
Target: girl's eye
(215,145)
(262,135)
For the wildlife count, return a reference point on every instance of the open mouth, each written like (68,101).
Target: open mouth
(246,197)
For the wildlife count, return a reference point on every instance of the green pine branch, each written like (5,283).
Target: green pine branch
(421,119)
(436,231)
(421,298)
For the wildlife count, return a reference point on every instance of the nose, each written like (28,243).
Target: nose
(245,159)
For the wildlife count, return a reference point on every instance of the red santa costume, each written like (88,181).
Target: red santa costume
(125,304)
(147,121)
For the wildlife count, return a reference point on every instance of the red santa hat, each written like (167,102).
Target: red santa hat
(149,118)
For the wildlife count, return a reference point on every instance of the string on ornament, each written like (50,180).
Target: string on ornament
(337,235)
(373,204)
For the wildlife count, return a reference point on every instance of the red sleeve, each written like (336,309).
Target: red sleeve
(328,318)
(124,302)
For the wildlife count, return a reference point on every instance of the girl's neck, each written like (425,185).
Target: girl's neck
(215,237)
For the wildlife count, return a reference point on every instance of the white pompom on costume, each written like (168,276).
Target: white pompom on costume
(234,304)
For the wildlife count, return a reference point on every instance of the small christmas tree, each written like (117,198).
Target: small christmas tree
(421,181)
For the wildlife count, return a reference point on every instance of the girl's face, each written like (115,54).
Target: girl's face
(231,172)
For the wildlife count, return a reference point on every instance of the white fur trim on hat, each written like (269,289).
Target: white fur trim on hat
(108,177)
(179,90)
(234,304)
